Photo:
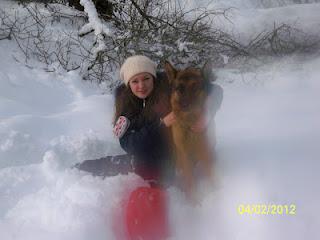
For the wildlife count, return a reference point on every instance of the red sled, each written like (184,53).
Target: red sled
(146,214)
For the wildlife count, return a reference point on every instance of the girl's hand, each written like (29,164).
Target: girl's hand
(169,119)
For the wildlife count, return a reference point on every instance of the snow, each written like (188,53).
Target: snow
(94,21)
(247,23)
(96,24)
(268,133)
(267,141)
(249,4)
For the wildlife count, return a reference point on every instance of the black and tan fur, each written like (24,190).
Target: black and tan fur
(188,97)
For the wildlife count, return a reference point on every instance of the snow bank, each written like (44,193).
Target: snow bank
(247,23)
(250,4)
(247,18)
(267,130)
(46,126)
(39,110)
(40,202)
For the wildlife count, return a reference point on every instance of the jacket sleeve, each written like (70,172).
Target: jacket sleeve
(137,141)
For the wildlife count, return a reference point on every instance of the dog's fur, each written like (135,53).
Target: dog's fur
(189,94)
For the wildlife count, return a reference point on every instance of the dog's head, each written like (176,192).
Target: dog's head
(189,86)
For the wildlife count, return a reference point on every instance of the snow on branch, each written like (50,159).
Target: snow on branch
(95,24)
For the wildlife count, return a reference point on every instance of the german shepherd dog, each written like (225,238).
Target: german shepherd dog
(188,97)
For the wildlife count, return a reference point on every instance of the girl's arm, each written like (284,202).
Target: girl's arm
(135,141)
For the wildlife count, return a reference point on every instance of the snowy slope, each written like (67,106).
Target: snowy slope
(48,123)
(267,140)
(250,4)
(39,110)
(247,23)
(248,18)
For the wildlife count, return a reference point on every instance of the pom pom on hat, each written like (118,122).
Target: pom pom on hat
(136,64)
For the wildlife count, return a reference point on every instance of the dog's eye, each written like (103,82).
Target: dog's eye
(195,86)
(180,88)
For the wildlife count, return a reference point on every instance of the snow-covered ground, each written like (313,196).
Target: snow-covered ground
(248,4)
(268,136)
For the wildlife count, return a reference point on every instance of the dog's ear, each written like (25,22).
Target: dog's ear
(170,70)
(207,73)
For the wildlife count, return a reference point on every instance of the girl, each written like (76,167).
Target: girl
(143,117)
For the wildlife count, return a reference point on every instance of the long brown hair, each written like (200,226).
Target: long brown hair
(127,104)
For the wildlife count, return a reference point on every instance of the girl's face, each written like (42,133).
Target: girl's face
(141,85)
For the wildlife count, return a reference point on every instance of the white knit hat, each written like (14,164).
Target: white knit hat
(136,64)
